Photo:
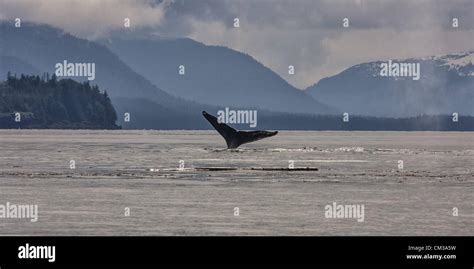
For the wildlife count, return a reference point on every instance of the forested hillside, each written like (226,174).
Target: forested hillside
(34,102)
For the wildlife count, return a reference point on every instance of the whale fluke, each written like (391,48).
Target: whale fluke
(235,138)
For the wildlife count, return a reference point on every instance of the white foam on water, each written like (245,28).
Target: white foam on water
(349,149)
(335,161)
(305,149)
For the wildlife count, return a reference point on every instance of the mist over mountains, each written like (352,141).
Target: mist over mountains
(14,64)
(141,77)
(446,85)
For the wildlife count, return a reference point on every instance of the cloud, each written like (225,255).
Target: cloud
(85,18)
(328,14)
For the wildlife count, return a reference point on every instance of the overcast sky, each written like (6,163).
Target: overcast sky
(305,33)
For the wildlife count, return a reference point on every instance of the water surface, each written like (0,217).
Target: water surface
(139,170)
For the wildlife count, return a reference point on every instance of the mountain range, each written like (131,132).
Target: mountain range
(213,75)
(446,85)
(141,76)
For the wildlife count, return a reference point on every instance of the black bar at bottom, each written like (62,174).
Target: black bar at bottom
(453,252)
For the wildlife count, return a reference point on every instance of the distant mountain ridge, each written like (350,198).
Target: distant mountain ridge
(14,64)
(446,86)
(214,75)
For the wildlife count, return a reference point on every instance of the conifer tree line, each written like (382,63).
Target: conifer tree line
(46,102)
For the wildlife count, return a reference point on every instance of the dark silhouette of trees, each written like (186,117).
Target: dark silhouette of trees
(53,103)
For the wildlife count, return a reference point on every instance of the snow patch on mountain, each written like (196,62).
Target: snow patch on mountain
(462,62)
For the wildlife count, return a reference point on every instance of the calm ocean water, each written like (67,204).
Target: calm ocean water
(159,183)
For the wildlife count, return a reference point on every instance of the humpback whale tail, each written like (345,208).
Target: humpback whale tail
(235,138)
